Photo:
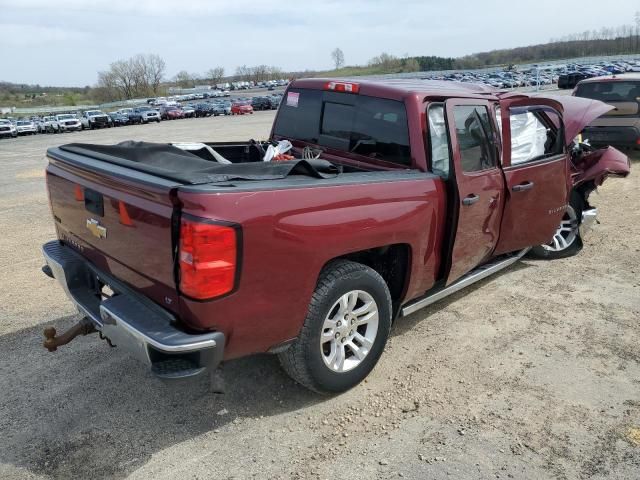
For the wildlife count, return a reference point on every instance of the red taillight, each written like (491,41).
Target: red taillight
(346,87)
(208,259)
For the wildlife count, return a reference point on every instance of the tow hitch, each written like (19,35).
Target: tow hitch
(83,327)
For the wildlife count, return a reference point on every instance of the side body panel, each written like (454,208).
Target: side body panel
(289,235)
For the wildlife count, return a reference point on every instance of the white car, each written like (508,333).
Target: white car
(49,125)
(68,122)
(94,119)
(7,129)
(26,127)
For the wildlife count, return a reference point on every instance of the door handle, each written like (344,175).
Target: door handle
(470,199)
(522,187)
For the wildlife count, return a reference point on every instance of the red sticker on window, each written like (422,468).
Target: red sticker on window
(292,99)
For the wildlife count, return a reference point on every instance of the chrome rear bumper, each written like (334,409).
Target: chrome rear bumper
(131,321)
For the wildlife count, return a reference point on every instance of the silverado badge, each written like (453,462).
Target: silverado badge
(96,229)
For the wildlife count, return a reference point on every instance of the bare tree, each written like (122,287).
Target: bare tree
(155,69)
(184,79)
(243,73)
(338,58)
(215,75)
(137,76)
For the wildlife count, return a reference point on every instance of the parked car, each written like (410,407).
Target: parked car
(240,108)
(49,125)
(313,259)
(261,103)
(189,111)
(7,129)
(134,115)
(203,109)
(148,114)
(227,107)
(26,127)
(68,122)
(119,119)
(218,109)
(94,119)
(171,113)
(621,125)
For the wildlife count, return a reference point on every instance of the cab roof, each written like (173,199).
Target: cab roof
(400,88)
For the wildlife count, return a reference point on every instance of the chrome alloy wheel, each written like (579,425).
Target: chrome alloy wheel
(349,331)
(567,232)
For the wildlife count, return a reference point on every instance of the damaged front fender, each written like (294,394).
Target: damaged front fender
(597,165)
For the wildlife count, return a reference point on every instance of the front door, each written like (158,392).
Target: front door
(536,171)
(479,182)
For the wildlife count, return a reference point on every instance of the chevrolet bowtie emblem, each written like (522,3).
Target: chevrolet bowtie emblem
(96,229)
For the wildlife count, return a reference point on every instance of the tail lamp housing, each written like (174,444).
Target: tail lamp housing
(208,258)
(345,87)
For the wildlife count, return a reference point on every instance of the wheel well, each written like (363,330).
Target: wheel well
(391,262)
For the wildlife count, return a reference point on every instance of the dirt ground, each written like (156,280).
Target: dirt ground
(533,373)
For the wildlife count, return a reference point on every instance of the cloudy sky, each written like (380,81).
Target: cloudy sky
(65,42)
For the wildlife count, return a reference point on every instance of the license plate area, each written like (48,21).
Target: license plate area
(94,202)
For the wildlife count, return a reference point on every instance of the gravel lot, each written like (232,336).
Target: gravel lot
(530,374)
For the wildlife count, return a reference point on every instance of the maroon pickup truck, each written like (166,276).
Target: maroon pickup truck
(394,195)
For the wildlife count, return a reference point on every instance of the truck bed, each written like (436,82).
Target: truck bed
(242,161)
(280,219)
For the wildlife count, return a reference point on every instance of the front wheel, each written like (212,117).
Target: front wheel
(566,242)
(345,331)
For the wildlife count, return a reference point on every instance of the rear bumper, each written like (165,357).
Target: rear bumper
(131,321)
(616,136)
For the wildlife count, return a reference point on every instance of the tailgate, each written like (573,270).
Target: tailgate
(119,219)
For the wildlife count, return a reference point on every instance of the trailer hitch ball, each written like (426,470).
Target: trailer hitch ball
(52,342)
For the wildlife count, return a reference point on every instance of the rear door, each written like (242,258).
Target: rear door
(536,171)
(479,182)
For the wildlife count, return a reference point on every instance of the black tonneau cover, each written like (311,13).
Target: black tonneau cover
(173,163)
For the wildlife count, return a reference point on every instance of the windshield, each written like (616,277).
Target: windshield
(24,123)
(66,117)
(613,91)
(94,112)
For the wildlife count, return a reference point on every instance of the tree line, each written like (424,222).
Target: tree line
(145,75)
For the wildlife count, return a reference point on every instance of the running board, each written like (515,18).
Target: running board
(473,276)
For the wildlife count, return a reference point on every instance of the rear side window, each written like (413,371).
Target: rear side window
(473,129)
(438,140)
(614,91)
(368,126)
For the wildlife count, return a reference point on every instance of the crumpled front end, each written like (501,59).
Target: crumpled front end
(597,165)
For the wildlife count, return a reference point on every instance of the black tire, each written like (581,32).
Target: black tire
(303,360)
(576,205)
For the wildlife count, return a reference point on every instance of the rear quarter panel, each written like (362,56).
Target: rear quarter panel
(289,235)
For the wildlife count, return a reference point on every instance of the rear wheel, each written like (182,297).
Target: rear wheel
(566,242)
(345,331)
